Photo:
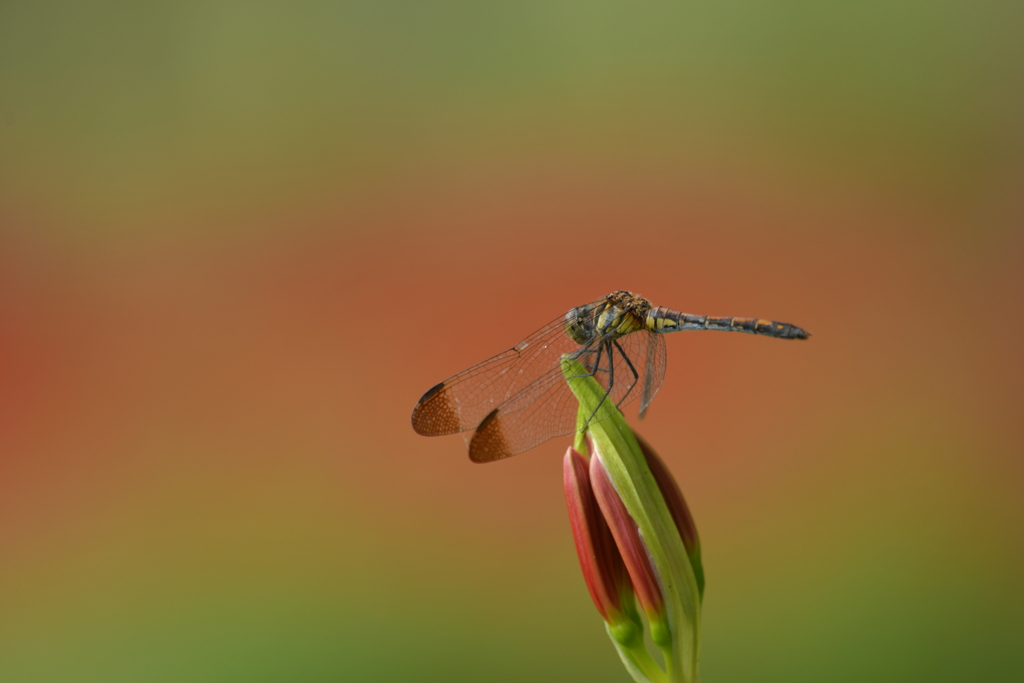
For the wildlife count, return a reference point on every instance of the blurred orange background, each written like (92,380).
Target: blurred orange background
(238,242)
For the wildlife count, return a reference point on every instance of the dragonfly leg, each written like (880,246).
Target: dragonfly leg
(597,361)
(607,347)
(629,363)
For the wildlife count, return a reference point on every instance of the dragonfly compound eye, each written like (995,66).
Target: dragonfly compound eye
(579,326)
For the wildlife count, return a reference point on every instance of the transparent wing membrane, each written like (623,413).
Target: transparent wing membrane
(547,408)
(461,402)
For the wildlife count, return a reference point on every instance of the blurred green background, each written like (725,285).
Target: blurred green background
(239,240)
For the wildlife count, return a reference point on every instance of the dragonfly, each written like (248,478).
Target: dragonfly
(520,398)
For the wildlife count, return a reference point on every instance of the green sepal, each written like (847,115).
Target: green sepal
(626,633)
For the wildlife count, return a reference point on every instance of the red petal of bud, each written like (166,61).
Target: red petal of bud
(677,507)
(627,539)
(602,566)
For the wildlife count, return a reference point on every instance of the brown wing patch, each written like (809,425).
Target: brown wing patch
(489,443)
(436,414)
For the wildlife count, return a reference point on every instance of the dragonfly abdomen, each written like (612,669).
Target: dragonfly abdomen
(662,319)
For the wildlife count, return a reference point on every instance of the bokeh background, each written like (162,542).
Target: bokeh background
(239,240)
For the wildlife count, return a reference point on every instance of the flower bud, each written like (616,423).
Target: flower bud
(603,568)
(648,535)
(627,539)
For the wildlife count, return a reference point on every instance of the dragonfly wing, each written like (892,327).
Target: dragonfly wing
(636,371)
(519,398)
(541,411)
(654,374)
(461,403)
(547,408)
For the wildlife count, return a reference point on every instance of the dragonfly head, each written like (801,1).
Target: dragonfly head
(581,324)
